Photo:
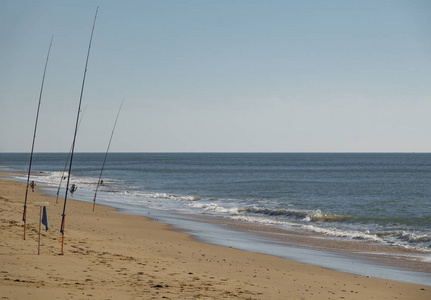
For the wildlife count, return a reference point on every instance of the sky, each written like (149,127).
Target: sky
(217,76)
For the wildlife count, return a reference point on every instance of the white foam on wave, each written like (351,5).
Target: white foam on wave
(350,234)
(334,232)
(413,238)
(260,220)
(213,207)
(54,178)
(408,240)
(304,215)
(164,196)
(319,216)
(409,247)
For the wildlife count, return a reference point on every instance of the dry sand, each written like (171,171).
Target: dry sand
(108,255)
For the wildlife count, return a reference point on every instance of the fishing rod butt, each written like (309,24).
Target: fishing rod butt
(62,244)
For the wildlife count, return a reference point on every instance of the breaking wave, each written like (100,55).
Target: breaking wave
(164,196)
(308,216)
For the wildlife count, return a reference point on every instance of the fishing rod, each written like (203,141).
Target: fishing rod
(106,154)
(67,160)
(74,137)
(24,215)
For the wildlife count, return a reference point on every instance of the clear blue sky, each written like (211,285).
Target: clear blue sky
(218,76)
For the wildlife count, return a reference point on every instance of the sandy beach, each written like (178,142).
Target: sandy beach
(108,255)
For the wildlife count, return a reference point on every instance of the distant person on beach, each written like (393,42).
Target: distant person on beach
(72,189)
(32,185)
(101,182)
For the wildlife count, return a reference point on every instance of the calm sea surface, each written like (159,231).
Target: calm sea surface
(384,198)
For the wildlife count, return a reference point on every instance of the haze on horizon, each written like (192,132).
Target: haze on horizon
(218,76)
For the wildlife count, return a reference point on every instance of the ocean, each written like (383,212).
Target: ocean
(377,198)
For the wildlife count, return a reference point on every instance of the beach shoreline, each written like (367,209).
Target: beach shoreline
(373,252)
(213,230)
(111,255)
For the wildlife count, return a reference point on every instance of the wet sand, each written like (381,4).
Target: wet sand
(108,255)
(389,255)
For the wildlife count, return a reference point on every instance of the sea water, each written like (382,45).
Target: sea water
(383,198)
